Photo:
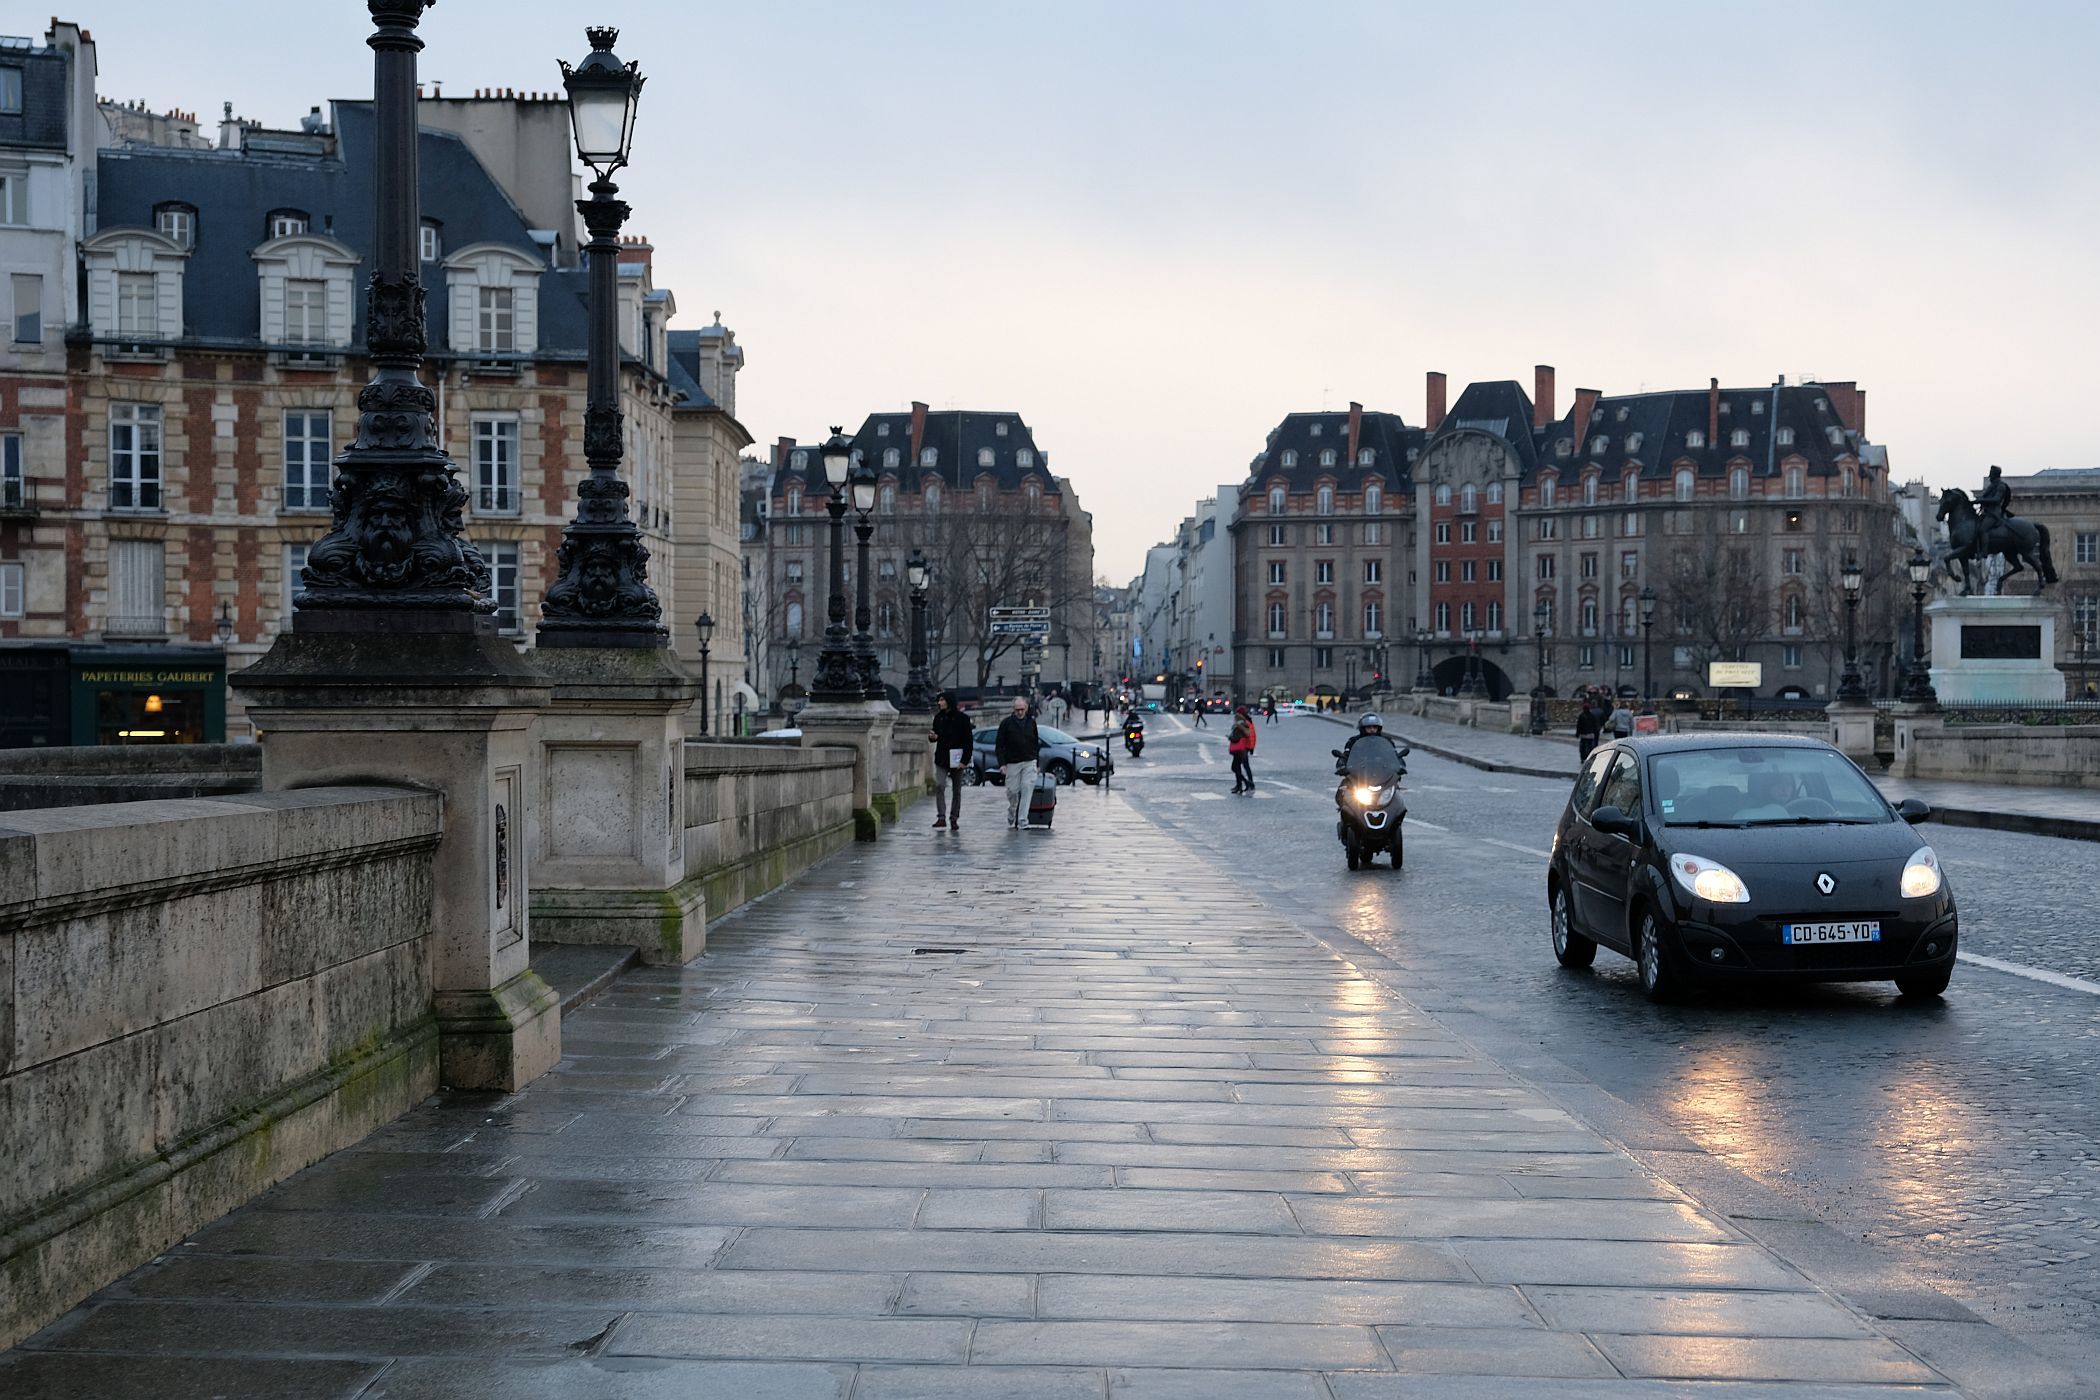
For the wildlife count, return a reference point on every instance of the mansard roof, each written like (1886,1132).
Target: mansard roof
(1306,435)
(1653,430)
(957,437)
(234,193)
(41,121)
(1499,408)
(684,369)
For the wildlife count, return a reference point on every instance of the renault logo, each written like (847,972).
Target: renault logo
(1825,883)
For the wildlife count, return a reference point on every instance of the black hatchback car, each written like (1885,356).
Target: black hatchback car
(1718,856)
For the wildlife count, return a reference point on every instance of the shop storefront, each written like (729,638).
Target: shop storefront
(59,693)
(161,695)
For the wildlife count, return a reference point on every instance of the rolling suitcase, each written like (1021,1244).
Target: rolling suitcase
(1042,803)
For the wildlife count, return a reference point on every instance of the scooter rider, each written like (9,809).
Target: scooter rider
(1365,727)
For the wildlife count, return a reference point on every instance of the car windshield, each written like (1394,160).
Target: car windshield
(1052,736)
(1374,759)
(1757,786)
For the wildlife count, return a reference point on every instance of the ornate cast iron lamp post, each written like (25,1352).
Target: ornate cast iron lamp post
(1917,686)
(705,626)
(861,479)
(837,677)
(395,541)
(1474,684)
(1542,616)
(1423,679)
(602,596)
(1648,602)
(1852,690)
(918,689)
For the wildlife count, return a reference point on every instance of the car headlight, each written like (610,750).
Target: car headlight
(1365,794)
(1709,880)
(1921,874)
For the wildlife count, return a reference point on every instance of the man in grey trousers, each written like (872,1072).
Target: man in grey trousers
(1016,748)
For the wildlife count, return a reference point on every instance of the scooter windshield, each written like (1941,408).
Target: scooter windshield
(1375,759)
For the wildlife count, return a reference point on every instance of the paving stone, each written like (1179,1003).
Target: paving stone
(948,1209)
(1181,1179)
(1247,1256)
(1153,1384)
(1368,1303)
(1694,1311)
(1474,1351)
(655,1289)
(234,1330)
(1626,1264)
(1763,1358)
(337,1237)
(610,1378)
(968,1295)
(792,1338)
(1453,1218)
(1167,1210)
(711,1204)
(1257,1345)
(213,1278)
(923,1173)
(1361,1386)
(980,1383)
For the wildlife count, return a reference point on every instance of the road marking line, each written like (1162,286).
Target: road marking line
(2054,979)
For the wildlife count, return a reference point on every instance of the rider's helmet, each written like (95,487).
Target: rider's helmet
(1370,724)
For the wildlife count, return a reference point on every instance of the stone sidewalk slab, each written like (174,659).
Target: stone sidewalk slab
(1139,1138)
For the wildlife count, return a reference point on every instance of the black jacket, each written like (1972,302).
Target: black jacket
(1589,722)
(951,730)
(1018,741)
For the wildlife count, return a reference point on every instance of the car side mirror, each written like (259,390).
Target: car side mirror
(1336,752)
(1613,822)
(1405,751)
(1913,811)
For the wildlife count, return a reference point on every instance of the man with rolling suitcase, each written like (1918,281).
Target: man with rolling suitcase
(1017,746)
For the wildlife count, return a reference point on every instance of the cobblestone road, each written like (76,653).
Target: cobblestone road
(1965,1136)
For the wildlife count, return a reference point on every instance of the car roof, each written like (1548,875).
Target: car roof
(1645,744)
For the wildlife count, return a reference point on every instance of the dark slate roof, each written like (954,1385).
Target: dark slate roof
(684,369)
(1659,423)
(234,193)
(42,121)
(957,436)
(1500,408)
(1309,434)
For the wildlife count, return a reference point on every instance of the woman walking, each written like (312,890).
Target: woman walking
(952,741)
(1240,744)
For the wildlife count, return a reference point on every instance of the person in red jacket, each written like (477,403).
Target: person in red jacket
(1240,744)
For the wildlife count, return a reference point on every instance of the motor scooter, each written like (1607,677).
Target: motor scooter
(1369,807)
(1133,736)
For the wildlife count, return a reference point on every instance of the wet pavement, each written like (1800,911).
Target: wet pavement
(1963,1137)
(1065,1113)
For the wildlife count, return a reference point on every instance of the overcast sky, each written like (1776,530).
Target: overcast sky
(1153,228)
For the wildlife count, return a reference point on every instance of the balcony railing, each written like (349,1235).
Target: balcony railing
(136,627)
(496,500)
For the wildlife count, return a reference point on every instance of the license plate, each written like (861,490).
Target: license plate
(1854,931)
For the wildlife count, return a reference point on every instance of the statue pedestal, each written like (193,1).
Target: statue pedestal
(451,710)
(608,835)
(1995,651)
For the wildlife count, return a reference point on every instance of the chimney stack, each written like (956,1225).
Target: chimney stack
(780,452)
(1585,407)
(1356,428)
(1541,395)
(1713,413)
(918,428)
(1433,402)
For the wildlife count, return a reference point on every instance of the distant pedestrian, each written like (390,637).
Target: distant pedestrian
(1199,724)
(1588,725)
(1240,744)
(1621,723)
(1017,747)
(1268,709)
(952,741)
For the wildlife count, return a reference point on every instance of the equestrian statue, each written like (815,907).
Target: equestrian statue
(1986,527)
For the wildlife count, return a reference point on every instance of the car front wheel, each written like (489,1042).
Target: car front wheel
(1570,948)
(1061,771)
(1660,977)
(1925,984)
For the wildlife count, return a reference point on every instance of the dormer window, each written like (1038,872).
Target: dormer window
(494,294)
(1598,446)
(929,457)
(430,242)
(1374,499)
(1000,428)
(798,460)
(177,223)
(1276,500)
(1757,407)
(1633,442)
(305,312)
(1290,457)
(1739,438)
(1327,457)
(1836,435)
(1316,430)
(286,222)
(1623,411)
(1024,458)
(882,430)
(495,320)
(1366,457)
(1786,437)
(1563,448)
(1695,438)
(891,458)
(984,456)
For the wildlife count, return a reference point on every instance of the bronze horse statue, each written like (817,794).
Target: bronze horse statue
(2019,542)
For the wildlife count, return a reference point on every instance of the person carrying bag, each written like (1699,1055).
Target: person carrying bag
(952,740)
(1240,744)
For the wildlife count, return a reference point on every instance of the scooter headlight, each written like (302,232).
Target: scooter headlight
(1366,794)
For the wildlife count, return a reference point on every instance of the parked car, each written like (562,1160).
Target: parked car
(1726,856)
(1064,758)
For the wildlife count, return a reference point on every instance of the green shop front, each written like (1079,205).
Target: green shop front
(112,695)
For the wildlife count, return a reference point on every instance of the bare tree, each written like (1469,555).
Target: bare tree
(1715,599)
(989,559)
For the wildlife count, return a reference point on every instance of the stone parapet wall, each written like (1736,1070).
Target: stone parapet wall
(94,773)
(2063,755)
(759,813)
(197,998)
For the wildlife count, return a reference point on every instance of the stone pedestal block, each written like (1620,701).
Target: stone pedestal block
(1852,729)
(864,726)
(1995,651)
(450,711)
(608,830)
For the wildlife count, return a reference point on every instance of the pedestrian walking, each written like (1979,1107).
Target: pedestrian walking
(1268,709)
(1199,724)
(1621,723)
(952,741)
(1588,725)
(1240,744)
(1017,746)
